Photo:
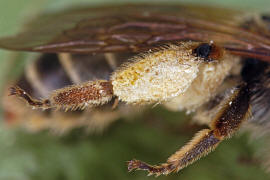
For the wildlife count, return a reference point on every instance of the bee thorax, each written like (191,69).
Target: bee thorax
(156,77)
(207,83)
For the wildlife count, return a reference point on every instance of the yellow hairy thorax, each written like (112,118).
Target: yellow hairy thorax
(172,74)
(205,85)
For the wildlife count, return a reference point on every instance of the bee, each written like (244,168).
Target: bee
(208,60)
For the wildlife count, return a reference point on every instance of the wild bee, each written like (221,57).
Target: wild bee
(207,60)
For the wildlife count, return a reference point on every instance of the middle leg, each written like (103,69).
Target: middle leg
(226,122)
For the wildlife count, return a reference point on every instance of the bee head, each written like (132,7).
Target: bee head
(208,51)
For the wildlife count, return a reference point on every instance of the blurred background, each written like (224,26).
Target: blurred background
(151,136)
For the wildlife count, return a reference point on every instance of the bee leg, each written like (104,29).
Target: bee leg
(225,123)
(115,104)
(91,93)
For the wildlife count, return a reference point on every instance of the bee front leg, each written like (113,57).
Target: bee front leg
(91,93)
(226,122)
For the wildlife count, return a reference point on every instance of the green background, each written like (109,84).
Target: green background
(152,136)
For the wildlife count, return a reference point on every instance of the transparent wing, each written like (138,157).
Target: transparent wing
(137,28)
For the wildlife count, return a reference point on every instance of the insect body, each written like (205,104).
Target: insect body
(184,58)
(50,72)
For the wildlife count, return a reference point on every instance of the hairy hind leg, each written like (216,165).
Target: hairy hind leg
(226,122)
(91,93)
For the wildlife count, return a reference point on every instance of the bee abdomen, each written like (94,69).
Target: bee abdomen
(43,75)
(51,71)
(257,74)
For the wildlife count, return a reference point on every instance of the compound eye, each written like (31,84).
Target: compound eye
(209,52)
(203,50)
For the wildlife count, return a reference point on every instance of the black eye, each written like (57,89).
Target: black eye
(203,50)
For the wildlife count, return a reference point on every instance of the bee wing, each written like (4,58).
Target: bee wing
(137,28)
